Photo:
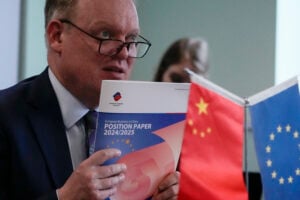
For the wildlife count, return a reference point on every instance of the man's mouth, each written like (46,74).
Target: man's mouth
(114,69)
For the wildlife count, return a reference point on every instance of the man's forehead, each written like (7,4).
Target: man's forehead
(108,4)
(111,8)
(120,14)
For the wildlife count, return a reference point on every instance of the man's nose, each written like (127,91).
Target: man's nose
(123,51)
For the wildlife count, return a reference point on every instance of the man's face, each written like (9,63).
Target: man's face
(81,68)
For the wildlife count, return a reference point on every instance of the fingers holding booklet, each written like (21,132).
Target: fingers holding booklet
(169,187)
(93,180)
(145,171)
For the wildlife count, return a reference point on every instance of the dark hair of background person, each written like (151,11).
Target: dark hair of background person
(192,52)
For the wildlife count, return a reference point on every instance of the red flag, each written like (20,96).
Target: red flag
(212,151)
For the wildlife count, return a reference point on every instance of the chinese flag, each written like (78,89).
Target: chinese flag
(212,151)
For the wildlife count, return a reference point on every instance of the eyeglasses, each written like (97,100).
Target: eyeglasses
(111,47)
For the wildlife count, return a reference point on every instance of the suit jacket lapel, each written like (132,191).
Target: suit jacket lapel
(46,119)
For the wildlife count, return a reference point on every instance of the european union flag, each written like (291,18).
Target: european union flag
(276,126)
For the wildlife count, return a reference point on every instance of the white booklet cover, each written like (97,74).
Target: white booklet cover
(146,121)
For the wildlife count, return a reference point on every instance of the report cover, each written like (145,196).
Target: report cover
(145,120)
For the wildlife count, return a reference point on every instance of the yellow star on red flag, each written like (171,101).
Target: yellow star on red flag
(202,107)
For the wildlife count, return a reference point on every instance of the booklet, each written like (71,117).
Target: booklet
(145,120)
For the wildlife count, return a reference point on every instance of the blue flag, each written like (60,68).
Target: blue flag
(275,121)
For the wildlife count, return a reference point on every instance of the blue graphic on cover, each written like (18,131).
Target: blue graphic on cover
(131,132)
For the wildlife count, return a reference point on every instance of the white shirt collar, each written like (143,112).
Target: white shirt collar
(72,109)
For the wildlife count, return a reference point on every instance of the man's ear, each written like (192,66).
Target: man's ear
(54,35)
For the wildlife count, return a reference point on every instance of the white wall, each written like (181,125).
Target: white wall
(287,40)
(33,57)
(240,34)
(9,48)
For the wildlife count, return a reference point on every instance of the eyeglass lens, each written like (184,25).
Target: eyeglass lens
(113,47)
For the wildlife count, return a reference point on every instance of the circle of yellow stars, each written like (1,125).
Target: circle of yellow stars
(202,109)
(268,149)
(124,141)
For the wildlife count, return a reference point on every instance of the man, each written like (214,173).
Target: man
(42,148)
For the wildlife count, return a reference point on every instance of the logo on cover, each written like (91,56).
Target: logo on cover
(117,96)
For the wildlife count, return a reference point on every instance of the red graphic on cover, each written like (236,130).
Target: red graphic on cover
(117,96)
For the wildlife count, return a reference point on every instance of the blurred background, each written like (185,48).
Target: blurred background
(252,42)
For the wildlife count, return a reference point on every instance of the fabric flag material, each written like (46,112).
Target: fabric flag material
(275,118)
(212,151)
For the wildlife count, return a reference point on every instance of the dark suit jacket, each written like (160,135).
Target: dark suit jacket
(34,154)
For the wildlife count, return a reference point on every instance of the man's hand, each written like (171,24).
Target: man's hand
(168,188)
(93,181)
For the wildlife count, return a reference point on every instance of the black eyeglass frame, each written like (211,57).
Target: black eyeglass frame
(100,40)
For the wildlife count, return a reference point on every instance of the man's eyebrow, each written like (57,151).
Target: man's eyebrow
(104,24)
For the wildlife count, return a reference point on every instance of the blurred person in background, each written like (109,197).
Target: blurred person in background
(191,53)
